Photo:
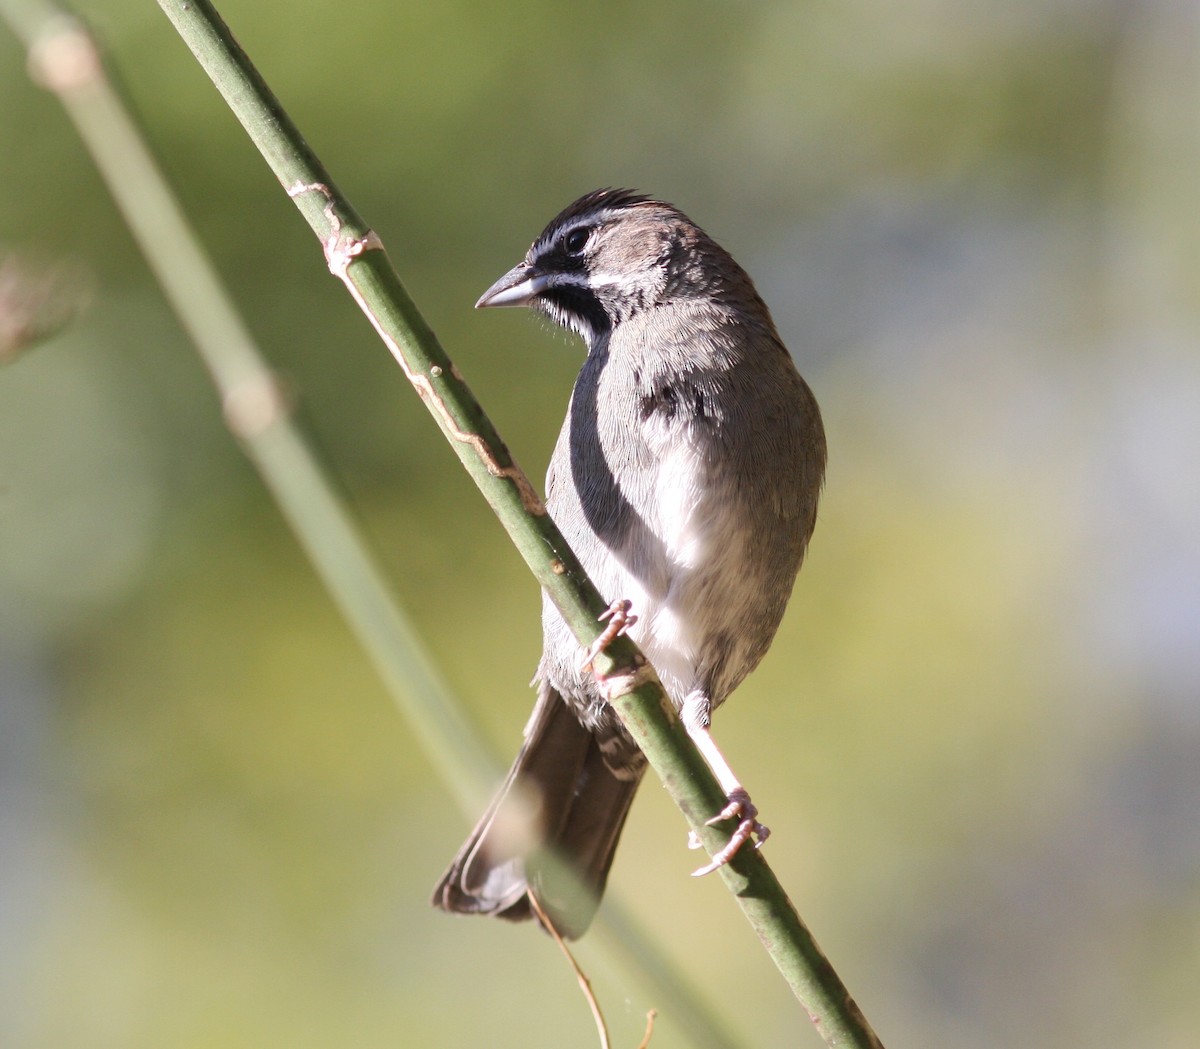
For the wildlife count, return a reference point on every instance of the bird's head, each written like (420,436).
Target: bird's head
(608,256)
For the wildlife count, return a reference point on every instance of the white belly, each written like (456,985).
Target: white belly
(677,588)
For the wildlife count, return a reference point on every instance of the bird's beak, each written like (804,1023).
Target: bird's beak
(515,288)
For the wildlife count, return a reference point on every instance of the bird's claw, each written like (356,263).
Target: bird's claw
(620,619)
(739,807)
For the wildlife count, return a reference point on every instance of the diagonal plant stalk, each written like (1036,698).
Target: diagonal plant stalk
(354,253)
(65,58)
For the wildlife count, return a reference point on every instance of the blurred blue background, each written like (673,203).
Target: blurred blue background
(976,736)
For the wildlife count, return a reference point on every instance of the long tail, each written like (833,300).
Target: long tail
(559,796)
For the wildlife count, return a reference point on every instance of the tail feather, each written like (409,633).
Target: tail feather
(559,797)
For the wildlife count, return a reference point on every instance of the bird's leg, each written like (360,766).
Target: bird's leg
(696,717)
(620,618)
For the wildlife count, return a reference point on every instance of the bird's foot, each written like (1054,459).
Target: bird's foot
(741,808)
(620,618)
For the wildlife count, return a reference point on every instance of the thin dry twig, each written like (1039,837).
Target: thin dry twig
(585,985)
(649,1029)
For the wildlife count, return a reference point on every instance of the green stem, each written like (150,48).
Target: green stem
(355,254)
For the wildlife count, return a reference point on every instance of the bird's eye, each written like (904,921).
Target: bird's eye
(576,240)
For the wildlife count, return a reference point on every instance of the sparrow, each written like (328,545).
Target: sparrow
(685,479)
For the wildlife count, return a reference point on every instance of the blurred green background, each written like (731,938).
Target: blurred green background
(976,736)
